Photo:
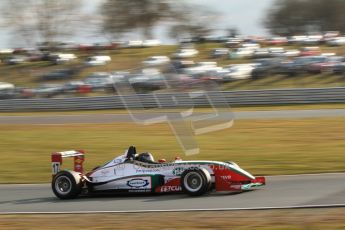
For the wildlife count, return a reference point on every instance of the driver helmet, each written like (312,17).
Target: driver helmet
(146,157)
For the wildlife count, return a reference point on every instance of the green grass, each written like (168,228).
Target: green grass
(280,81)
(302,219)
(262,147)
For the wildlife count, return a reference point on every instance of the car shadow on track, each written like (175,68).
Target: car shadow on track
(30,201)
(122,197)
(165,196)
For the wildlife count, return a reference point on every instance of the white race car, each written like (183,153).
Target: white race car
(139,173)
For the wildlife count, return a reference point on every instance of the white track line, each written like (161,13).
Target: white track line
(182,210)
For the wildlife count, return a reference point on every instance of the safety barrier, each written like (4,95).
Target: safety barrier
(180,99)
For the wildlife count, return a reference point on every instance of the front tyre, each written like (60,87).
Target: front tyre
(67,184)
(196,182)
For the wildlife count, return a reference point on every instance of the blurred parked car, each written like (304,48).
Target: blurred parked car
(185,53)
(233,42)
(23,51)
(291,53)
(337,41)
(35,55)
(217,75)
(251,45)
(330,54)
(97,60)
(177,66)
(142,78)
(134,44)
(297,39)
(219,52)
(17,59)
(73,86)
(277,41)
(49,90)
(300,65)
(103,46)
(276,51)
(147,82)
(261,53)
(324,64)
(239,72)
(202,67)
(6,51)
(156,60)
(24,92)
(331,34)
(339,68)
(61,58)
(7,90)
(267,66)
(310,51)
(102,80)
(313,39)
(59,74)
(245,52)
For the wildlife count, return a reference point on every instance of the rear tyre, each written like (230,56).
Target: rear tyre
(196,182)
(67,184)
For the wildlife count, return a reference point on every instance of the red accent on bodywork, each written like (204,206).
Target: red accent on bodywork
(171,183)
(227,179)
(259,179)
(56,157)
(78,163)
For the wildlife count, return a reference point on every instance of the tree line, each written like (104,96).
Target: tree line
(291,17)
(47,20)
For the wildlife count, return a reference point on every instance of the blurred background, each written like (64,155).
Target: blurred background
(80,48)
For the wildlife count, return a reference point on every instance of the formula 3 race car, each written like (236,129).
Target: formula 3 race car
(139,173)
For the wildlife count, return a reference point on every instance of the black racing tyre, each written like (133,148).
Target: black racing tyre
(67,184)
(195,182)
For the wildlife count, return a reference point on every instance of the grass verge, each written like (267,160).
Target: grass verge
(303,219)
(261,147)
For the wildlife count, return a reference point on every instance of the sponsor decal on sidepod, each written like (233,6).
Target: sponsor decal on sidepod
(173,188)
(137,183)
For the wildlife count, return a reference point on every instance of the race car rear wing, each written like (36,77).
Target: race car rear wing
(57,157)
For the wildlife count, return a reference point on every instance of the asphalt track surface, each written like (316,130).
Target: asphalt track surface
(113,118)
(280,192)
(319,190)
